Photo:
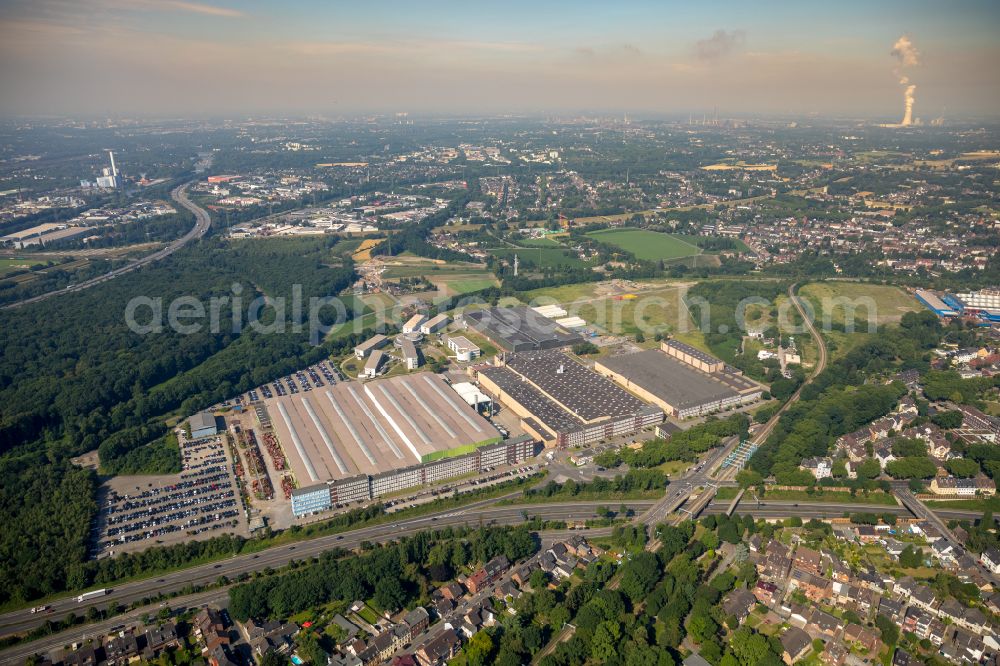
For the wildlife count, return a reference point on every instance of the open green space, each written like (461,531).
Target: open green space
(543,256)
(544,241)
(648,245)
(467,285)
(427,268)
(837,301)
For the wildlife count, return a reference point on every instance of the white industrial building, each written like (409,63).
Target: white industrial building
(550,311)
(434,325)
(464,349)
(414,323)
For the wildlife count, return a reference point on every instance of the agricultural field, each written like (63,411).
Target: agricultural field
(648,245)
(364,250)
(885,304)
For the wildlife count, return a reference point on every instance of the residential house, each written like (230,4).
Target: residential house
(821,468)
(738,604)
(795,643)
(210,629)
(488,574)
(159,638)
(820,624)
(417,620)
(815,588)
(808,560)
(862,636)
(766,593)
(991,560)
(271,635)
(439,649)
(121,649)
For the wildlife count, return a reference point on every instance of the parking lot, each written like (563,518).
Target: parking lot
(137,512)
(315,376)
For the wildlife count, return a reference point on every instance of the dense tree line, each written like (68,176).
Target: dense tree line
(685,445)
(73,378)
(395,575)
(633,481)
(840,400)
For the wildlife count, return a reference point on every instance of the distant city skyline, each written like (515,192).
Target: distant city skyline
(175,57)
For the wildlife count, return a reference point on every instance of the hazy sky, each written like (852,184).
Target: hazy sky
(174,57)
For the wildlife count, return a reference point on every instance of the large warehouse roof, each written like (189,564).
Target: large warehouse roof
(352,428)
(520,329)
(676,383)
(578,388)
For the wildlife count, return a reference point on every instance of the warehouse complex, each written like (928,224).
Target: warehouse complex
(365,440)
(520,329)
(562,402)
(681,380)
(363,487)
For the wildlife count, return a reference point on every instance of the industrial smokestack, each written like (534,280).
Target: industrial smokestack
(114,171)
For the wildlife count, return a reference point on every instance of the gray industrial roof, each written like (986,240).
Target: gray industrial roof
(692,351)
(676,383)
(202,420)
(581,390)
(520,329)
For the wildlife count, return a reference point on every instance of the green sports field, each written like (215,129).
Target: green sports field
(648,245)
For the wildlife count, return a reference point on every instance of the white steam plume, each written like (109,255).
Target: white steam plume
(908,56)
(908,99)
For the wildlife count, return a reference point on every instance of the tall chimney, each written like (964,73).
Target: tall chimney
(114,171)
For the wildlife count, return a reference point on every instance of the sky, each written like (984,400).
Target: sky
(333,58)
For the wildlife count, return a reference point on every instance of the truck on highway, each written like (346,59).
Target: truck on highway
(94,594)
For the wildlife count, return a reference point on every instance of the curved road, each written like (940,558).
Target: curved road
(820,366)
(202,222)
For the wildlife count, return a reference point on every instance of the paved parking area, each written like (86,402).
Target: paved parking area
(137,512)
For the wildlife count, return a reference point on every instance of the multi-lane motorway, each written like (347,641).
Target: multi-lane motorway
(471,514)
(202,223)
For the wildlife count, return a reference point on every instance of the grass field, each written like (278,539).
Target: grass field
(542,256)
(17,263)
(648,245)
(544,241)
(470,284)
(832,301)
(400,267)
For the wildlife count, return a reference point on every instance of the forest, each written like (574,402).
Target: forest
(74,378)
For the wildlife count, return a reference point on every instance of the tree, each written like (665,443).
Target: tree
(538,580)
(479,648)
(963,467)
(869,469)
(948,420)
(911,557)
(915,467)
(604,645)
(888,629)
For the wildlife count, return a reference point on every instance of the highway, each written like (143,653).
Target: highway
(472,515)
(202,222)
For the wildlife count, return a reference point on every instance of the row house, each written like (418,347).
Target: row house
(813,587)
(808,560)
